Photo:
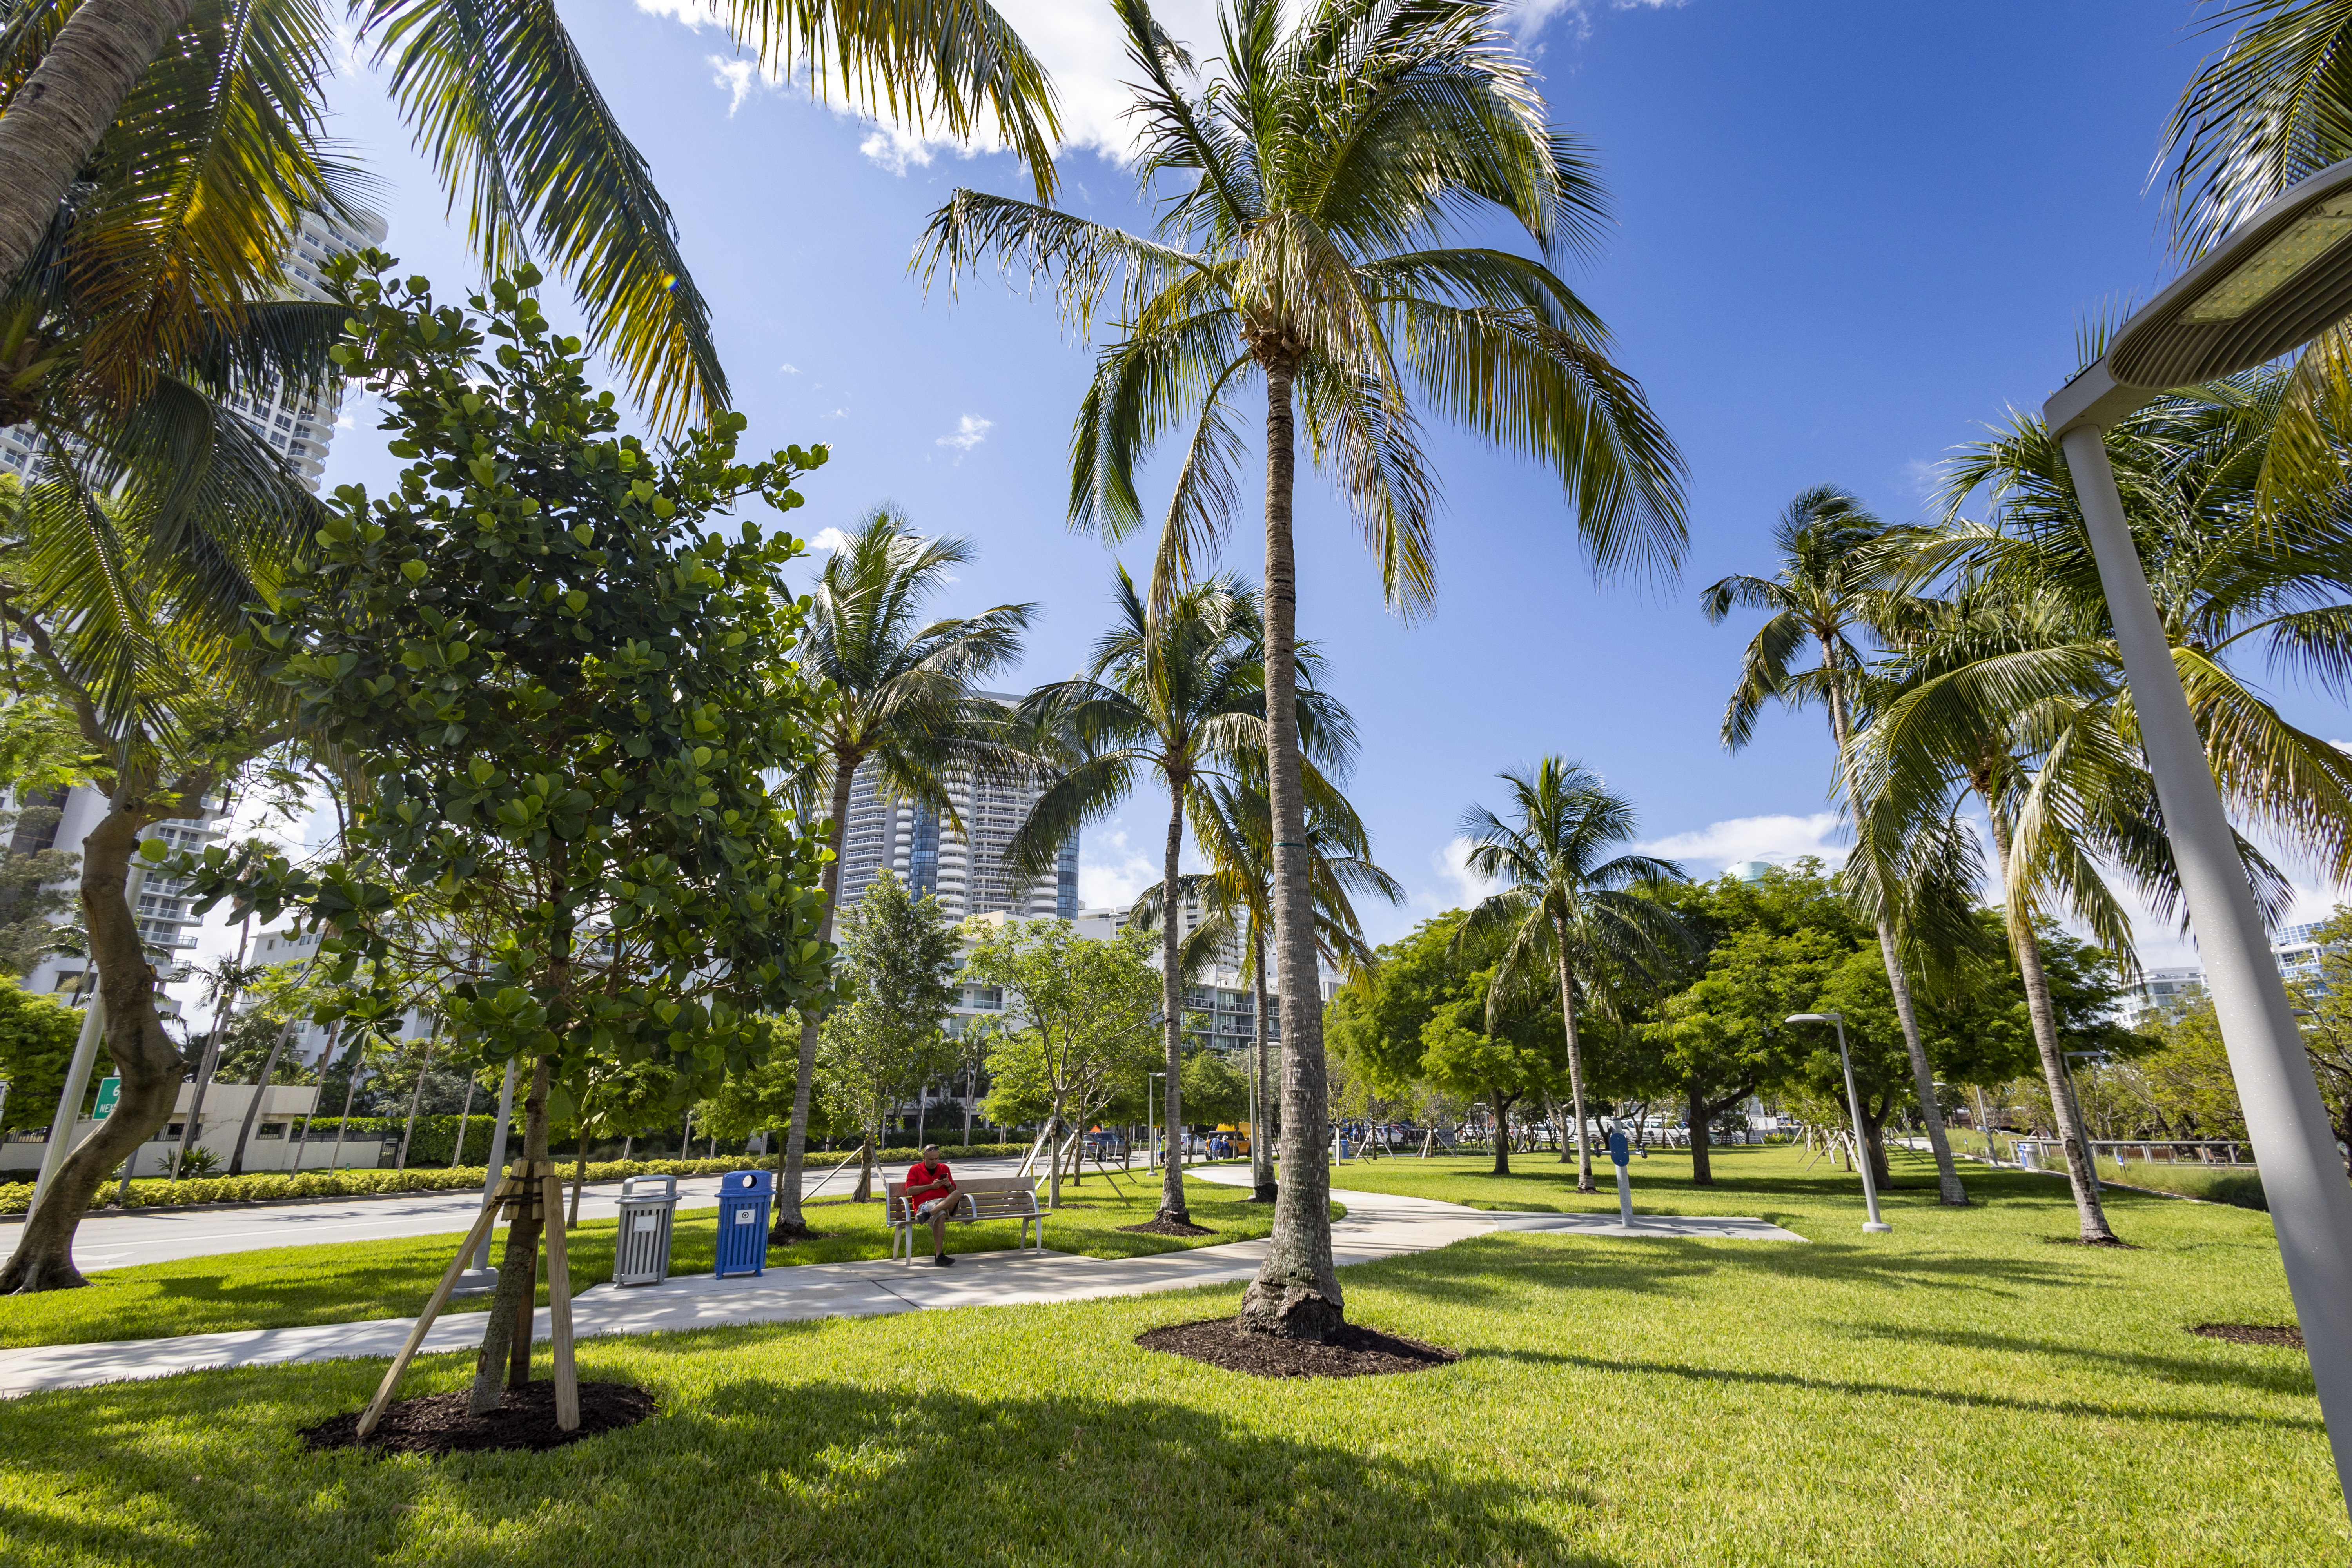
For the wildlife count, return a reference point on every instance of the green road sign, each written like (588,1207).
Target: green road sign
(109,1089)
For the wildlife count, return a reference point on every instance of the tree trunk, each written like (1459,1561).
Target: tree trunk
(1171,1001)
(150,1070)
(269,1071)
(511,1301)
(1053,1159)
(1923,1078)
(790,1223)
(864,1193)
(417,1094)
(351,1087)
(1297,1292)
(2080,1173)
(1262,1177)
(1502,1132)
(1575,1058)
(1874,1148)
(464,1122)
(1701,1113)
(56,120)
(326,1060)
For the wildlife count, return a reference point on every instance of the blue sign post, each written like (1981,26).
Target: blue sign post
(1619,1155)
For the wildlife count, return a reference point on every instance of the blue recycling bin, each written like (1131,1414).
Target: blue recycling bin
(744,1199)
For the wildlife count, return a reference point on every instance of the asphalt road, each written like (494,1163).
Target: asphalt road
(160,1236)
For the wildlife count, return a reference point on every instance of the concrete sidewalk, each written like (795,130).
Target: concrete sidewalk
(1378,1224)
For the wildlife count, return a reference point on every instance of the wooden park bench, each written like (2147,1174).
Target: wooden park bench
(977,1198)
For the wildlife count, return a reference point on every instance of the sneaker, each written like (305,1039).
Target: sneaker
(943,1261)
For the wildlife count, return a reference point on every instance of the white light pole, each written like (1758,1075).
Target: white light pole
(2280,279)
(1874,1224)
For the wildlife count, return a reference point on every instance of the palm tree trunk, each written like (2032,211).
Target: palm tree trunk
(1923,1076)
(2080,1174)
(416,1095)
(789,1221)
(269,1070)
(56,120)
(1584,1182)
(1262,1178)
(1172,1002)
(1297,1292)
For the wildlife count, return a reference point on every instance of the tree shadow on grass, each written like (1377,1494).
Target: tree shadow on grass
(1479,1270)
(2267,1374)
(748,1470)
(1961,1398)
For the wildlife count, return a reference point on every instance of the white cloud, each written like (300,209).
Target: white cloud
(828,540)
(1531,16)
(1112,873)
(1923,477)
(1456,887)
(1706,851)
(971,431)
(737,77)
(788,368)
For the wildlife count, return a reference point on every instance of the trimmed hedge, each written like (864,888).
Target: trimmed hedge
(270,1185)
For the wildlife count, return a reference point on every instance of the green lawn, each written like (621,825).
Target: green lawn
(285,1286)
(1963,1392)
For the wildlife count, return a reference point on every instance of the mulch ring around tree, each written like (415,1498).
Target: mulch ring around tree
(2286,1335)
(437,1424)
(1166,1227)
(1353,1352)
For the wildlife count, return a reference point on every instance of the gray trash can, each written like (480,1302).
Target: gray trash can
(641,1256)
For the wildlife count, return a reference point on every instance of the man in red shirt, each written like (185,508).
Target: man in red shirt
(932,1195)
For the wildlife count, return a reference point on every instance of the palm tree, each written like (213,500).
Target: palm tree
(1321,169)
(131,639)
(1566,914)
(503,107)
(905,706)
(1834,577)
(1232,821)
(1181,695)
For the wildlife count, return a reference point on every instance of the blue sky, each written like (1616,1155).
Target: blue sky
(1847,235)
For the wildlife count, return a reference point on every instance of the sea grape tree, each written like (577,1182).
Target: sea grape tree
(566,675)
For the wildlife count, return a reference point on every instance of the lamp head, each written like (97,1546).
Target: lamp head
(1816,1018)
(2281,278)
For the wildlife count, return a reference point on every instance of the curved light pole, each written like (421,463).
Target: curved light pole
(2281,278)
(1874,1224)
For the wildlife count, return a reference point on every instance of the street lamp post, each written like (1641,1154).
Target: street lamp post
(2280,279)
(1874,1224)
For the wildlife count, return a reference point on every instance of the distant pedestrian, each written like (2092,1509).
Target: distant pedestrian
(932,1195)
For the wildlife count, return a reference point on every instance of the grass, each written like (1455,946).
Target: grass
(344,1282)
(1961,1392)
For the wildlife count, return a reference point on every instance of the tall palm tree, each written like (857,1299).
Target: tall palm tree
(503,106)
(1565,912)
(1321,169)
(905,705)
(1835,575)
(1232,822)
(1181,695)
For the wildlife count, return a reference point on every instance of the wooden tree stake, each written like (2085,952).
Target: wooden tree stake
(440,1297)
(559,1308)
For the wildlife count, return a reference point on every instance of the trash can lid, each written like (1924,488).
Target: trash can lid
(748,1183)
(670,1182)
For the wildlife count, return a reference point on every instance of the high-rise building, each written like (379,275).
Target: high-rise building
(297,422)
(964,867)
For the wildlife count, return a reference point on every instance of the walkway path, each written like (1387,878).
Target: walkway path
(1378,1224)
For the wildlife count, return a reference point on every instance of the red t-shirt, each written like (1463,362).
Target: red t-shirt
(933,1179)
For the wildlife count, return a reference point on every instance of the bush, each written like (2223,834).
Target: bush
(271,1186)
(2239,1184)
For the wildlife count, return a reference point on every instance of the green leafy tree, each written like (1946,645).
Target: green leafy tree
(569,689)
(1081,1019)
(36,1046)
(1318,177)
(900,956)
(1215,1089)
(1502,1066)
(1568,909)
(905,704)
(1182,696)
